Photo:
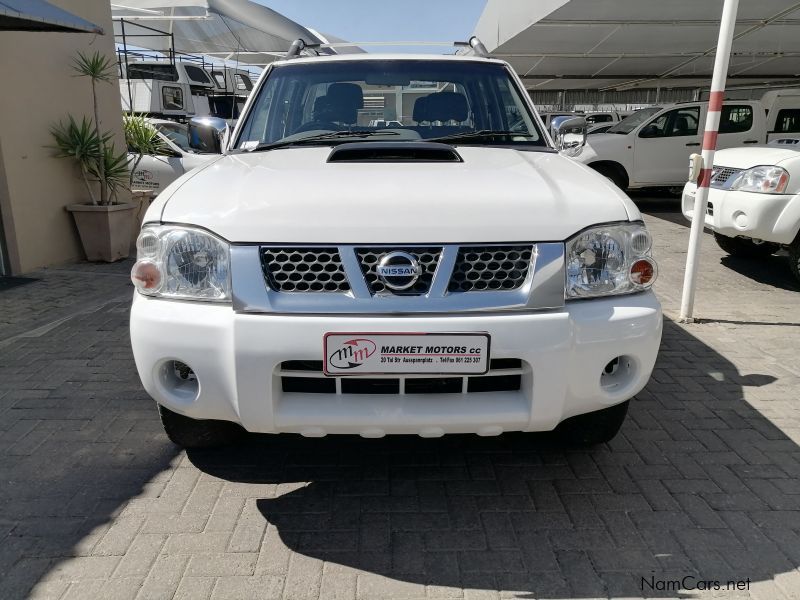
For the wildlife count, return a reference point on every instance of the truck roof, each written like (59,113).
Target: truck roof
(386,56)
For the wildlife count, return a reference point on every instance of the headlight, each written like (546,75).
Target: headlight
(766,179)
(609,260)
(184,263)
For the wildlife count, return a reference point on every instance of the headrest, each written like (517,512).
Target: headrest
(447,106)
(420,109)
(340,104)
(682,123)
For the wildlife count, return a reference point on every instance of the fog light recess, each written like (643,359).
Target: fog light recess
(617,374)
(179,381)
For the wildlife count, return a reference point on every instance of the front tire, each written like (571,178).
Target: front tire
(794,258)
(593,428)
(745,248)
(196,433)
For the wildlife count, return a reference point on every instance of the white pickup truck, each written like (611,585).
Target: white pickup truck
(754,200)
(454,275)
(651,148)
(155,173)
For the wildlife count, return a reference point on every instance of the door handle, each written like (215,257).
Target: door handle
(750,141)
(692,144)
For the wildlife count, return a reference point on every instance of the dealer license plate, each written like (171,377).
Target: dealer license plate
(406,353)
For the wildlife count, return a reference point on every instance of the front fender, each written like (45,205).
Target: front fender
(787,227)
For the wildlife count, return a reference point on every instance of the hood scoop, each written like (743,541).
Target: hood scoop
(393,152)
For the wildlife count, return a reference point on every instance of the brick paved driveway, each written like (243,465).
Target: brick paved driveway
(703,481)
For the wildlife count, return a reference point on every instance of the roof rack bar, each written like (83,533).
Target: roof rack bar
(300,45)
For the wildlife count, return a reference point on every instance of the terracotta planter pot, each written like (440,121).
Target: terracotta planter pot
(105,230)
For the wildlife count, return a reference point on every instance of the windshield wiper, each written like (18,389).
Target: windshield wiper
(332,135)
(476,135)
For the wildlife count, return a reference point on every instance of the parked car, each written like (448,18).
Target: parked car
(453,276)
(651,148)
(157,172)
(754,200)
(597,117)
(601,128)
(547,118)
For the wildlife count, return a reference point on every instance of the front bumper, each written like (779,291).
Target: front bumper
(767,217)
(236,358)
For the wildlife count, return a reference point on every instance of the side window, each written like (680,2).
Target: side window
(219,77)
(680,122)
(172,98)
(736,119)
(788,121)
(196,74)
(243,82)
(655,128)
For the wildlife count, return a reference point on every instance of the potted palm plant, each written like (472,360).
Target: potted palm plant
(142,139)
(104,223)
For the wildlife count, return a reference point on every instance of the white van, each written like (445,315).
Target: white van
(783,113)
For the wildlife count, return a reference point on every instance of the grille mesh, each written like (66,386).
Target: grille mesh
(722,174)
(428,258)
(305,376)
(304,270)
(487,268)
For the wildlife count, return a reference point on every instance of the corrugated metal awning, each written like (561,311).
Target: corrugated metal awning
(628,44)
(38,15)
(240,30)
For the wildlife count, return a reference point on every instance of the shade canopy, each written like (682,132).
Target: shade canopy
(38,15)
(628,44)
(226,29)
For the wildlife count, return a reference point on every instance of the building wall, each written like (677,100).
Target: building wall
(39,89)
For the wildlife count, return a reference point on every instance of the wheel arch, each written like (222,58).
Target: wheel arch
(613,170)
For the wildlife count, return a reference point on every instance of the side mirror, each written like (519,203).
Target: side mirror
(570,134)
(206,133)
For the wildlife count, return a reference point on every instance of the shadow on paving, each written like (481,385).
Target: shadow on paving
(78,439)
(698,484)
(773,271)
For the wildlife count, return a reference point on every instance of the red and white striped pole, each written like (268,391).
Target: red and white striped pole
(723,55)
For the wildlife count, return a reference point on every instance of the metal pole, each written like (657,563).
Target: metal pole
(127,79)
(726,31)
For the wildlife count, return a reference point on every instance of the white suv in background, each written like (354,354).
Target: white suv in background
(455,275)
(651,148)
(754,200)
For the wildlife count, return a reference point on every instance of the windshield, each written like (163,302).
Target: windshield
(630,123)
(177,133)
(406,99)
